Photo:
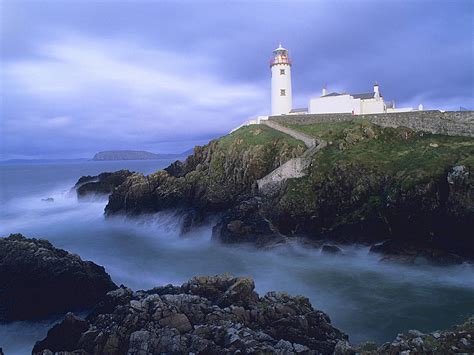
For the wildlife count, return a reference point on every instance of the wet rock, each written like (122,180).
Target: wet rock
(37,280)
(412,252)
(240,293)
(102,184)
(63,336)
(246,223)
(178,321)
(454,340)
(206,315)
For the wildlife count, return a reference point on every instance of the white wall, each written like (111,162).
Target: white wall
(257,120)
(372,106)
(345,104)
(334,104)
(281,104)
(401,109)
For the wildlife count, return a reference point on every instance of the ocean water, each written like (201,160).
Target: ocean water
(367,299)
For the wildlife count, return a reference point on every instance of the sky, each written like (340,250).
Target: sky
(78,77)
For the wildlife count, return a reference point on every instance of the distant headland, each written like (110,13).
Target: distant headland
(135,155)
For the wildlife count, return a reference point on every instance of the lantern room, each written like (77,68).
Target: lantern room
(280,56)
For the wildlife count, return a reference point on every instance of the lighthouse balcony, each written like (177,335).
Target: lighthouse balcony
(275,61)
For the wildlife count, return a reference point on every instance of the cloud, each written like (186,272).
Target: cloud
(162,76)
(57,122)
(124,91)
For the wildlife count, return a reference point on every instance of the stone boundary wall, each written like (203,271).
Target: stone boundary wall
(452,123)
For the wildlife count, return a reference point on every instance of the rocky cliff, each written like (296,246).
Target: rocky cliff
(212,179)
(102,184)
(38,280)
(372,184)
(368,185)
(207,315)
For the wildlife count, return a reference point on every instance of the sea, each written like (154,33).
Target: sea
(368,299)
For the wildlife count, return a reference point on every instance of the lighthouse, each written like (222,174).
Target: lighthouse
(280,65)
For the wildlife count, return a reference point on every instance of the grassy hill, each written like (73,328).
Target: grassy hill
(412,157)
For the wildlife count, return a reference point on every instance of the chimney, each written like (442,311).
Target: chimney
(376,90)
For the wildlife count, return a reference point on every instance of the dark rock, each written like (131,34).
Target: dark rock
(331,249)
(37,280)
(48,199)
(246,223)
(459,339)
(354,204)
(178,169)
(212,179)
(102,184)
(412,251)
(207,315)
(424,201)
(63,336)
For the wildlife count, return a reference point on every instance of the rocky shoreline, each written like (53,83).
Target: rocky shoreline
(39,280)
(407,214)
(206,315)
(102,184)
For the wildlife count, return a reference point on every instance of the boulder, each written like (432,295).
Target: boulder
(207,315)
(63,336)
(246,223)
(37,280)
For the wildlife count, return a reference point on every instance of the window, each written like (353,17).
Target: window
(282,71)
(282,92)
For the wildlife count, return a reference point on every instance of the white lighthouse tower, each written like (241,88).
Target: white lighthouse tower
(280,65)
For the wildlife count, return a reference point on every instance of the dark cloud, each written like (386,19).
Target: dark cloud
(78,77)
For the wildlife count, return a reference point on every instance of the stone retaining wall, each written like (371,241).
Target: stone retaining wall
(452,123)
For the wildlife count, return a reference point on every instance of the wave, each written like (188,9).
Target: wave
(366,298)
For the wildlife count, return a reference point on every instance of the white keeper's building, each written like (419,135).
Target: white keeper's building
(334,102)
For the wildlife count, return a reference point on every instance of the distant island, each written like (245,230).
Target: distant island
(136,155)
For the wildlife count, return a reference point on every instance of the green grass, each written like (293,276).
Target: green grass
(411,157)
(326,130)
(257,135)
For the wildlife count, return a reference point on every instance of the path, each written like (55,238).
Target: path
(293,168)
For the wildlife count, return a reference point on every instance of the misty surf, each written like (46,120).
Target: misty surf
(366,298)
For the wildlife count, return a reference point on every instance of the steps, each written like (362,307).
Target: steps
(309,141)
(293,168)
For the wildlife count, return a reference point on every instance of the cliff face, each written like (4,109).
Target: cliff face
(211,179)
(369,184)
